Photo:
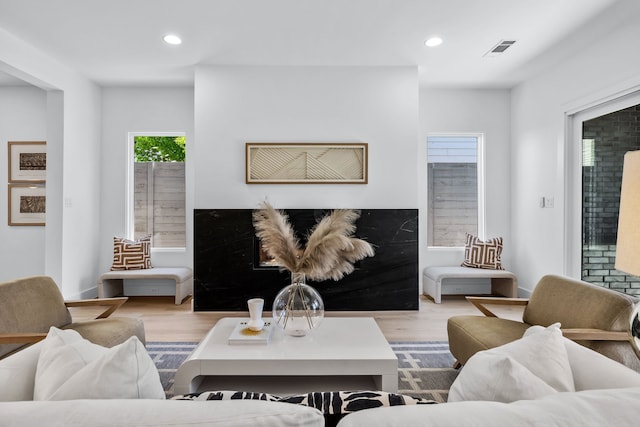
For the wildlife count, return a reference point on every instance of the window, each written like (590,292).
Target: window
(454,187)
(157,193)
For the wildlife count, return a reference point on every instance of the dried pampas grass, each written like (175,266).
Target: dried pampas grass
(331,248)
(278,238)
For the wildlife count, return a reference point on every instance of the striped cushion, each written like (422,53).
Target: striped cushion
(482,253)
(130,254)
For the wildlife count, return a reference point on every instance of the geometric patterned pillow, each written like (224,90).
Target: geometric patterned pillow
(130,254)
(482,253)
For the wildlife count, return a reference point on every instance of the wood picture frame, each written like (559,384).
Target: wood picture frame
(27,161)
(306,163)
(27,204)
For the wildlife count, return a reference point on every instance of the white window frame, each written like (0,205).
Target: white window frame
(130,203)
(480,165)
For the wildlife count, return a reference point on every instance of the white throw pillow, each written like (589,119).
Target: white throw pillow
(63,353)
(71,367)
(543,352)
(18,373)
(497,378)
(528,368)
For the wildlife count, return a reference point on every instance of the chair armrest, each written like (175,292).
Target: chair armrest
(29,338)
(578,334)
(22,338)
(112,303)
(479,302)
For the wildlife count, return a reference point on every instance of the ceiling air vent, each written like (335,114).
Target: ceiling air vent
(500,48)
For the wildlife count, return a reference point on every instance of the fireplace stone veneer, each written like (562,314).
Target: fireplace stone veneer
(227,271)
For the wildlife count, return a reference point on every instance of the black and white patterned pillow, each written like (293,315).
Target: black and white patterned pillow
(227,395)
(344,402)
(328,402)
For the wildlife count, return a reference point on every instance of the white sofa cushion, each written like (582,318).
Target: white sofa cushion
(592,370)
(18,374)
(157,413)
(591,408)
(531,367)
(71,367)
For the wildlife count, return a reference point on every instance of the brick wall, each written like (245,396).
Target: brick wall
(614,134)
(598,267)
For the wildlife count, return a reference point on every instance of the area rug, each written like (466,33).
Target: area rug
(424,368)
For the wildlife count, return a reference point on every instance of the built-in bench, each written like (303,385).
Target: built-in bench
(112,283)
(503,282)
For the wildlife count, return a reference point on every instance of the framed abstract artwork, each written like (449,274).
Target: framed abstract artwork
(306,163)
(27,161)
(27,204)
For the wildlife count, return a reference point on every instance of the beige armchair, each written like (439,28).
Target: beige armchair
(601,319)
(30,306)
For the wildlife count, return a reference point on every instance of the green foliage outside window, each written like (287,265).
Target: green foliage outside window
(159,148)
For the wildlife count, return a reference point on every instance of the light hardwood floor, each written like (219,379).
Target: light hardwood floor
(165,321)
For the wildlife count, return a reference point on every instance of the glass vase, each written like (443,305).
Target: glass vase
(298,308)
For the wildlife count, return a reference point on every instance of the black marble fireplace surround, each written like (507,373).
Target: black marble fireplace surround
(227,272)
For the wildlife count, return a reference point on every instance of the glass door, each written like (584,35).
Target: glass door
(606,133)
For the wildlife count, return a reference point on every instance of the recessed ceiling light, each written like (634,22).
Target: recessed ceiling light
(433,42)
(172,39)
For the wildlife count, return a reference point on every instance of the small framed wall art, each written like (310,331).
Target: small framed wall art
(27,204)
(306,163)
(27,161)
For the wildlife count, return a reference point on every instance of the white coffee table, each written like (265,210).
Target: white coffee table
(341,354)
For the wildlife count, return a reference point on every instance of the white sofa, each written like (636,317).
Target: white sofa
(17,407)
(594,408)
(607,394)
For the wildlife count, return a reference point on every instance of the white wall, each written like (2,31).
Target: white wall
(73,164)
(81,189)
(23,114)
(471,111)
(140,110)
(604,66)
(235,105)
